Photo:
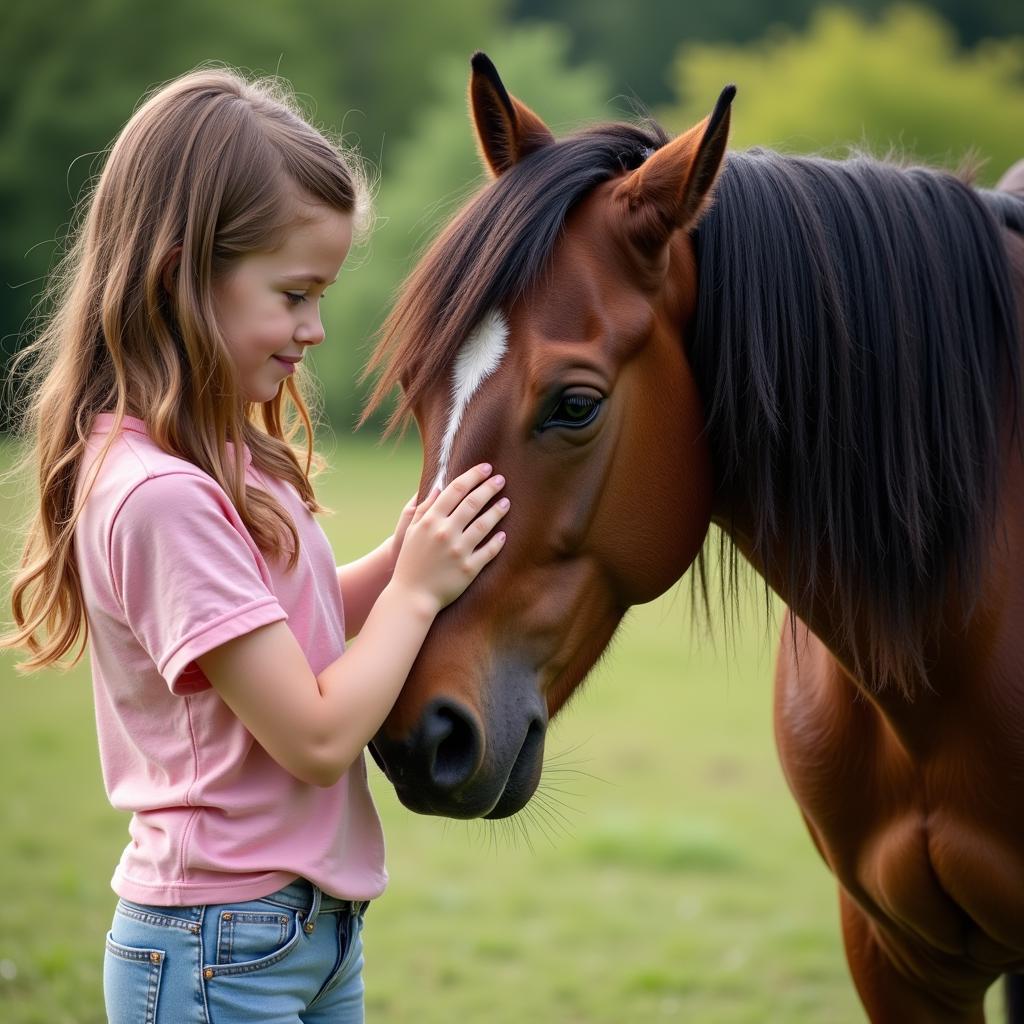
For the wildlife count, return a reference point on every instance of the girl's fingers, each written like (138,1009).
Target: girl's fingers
(407,516)
(451,497)
(483,524)
(470,506)
(425,504)
(487,552)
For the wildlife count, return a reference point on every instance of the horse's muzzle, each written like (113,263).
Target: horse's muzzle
(453,764)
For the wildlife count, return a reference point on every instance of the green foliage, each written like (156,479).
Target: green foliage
(392,76)
(635,41)
(900,83)
(425,178)
(71,75)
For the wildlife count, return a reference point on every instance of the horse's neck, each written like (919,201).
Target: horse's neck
(819,614)
(972,666)
(822,618)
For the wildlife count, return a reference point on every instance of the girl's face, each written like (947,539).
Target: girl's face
(268,303)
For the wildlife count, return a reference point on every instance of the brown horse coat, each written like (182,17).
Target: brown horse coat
(866,465)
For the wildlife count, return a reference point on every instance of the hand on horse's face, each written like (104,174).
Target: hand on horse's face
(442,550)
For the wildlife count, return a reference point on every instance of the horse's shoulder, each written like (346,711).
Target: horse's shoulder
(926,844)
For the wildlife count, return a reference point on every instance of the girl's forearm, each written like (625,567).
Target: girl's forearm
(361,583)
(359,688)
(316,725)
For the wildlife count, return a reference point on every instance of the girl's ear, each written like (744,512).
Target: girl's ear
(169,273)
(506,129)
(673,187)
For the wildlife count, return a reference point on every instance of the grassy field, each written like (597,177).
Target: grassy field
(676,883)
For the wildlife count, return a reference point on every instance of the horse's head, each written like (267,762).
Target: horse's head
(543,333)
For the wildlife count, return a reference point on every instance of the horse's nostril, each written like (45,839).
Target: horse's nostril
(451,739)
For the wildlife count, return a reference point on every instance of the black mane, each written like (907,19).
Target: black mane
(856,347)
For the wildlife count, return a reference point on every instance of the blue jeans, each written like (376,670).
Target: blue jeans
(294,957)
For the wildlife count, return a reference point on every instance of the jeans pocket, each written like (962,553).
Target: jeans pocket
(131,982)
(247,935)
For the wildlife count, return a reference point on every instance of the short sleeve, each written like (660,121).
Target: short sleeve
(187,573)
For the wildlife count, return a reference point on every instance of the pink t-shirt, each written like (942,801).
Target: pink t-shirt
(169,572)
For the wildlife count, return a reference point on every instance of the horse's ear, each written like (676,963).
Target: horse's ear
(506,129)
(671,189)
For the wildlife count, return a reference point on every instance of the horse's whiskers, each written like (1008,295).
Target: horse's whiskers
(565,753)
(552,814)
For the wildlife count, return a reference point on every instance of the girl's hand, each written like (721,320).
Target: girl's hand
(442,552)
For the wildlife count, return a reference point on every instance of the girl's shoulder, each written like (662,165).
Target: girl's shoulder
(147,506)
(136,470)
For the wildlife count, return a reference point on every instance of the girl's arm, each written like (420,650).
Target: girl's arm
(315,726)
(362,581)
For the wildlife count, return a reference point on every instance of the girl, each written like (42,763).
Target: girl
(176,531)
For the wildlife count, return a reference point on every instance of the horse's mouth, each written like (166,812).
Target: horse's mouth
(524,777)
(492,792)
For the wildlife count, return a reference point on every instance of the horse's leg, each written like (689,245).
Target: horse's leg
(889,997)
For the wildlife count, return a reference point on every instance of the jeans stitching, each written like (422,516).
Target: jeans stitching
(155,971)
(153,975)
(335,974)
(353,936)
(198,974)
(225,939)
(251,966)
(128,953)
(227,931)
(160,920)
(344,908)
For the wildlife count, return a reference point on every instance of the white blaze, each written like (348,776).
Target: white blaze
(479,357)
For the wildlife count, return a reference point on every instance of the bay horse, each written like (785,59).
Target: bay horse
(647,336)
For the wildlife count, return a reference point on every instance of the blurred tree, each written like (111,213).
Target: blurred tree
(392,75)
(897,83)
(635,41)
(71,75)
(425,178)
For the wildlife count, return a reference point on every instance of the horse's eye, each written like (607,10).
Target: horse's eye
(573,410)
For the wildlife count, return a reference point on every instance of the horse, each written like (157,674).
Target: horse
(822,357)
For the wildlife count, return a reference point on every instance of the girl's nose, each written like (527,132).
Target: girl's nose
(310,332)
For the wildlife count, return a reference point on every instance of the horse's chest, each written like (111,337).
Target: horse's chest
(892,871)
(940,882)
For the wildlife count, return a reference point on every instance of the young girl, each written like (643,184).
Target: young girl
(175,532)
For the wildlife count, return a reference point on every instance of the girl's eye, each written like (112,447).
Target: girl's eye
(574,410)
(294,298)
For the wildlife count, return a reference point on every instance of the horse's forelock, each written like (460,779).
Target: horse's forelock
(491,253)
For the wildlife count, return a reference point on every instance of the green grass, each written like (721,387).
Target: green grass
(675,883)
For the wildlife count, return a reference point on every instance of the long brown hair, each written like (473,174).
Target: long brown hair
(208,168)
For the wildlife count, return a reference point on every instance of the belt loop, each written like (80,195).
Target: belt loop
(314,910)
